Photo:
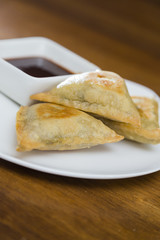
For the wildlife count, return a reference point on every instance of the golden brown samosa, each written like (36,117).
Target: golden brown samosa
(100,92)
(149,132)
(46,126)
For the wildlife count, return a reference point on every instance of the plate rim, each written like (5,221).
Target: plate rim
(40,168)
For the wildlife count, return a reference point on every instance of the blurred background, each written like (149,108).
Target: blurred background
(117,35)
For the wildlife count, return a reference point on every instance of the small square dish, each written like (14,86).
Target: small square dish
(35,64)
(44,48)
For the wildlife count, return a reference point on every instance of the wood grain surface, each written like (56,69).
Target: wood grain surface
(120,36)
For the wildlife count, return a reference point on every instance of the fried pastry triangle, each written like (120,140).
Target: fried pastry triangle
(46,126)
(149,132)
(101,92)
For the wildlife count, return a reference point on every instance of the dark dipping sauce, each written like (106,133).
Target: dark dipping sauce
(38,67)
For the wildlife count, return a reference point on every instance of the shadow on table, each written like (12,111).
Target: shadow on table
(75,182)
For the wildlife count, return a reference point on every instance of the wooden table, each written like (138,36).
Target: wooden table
(121,36)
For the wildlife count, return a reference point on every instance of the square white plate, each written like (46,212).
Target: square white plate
(109,161)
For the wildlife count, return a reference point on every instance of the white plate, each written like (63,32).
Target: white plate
(109,161)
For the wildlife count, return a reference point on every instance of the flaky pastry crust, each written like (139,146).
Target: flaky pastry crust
(149,132)
(101,92)
(46,126)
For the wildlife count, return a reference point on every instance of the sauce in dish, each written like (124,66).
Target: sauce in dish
(38,67)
